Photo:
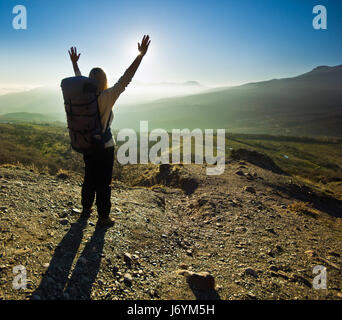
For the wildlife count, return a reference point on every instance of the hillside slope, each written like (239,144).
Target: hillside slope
(257,232)
(309,104)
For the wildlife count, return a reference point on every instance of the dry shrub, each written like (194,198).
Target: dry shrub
(302,208)
(63,174)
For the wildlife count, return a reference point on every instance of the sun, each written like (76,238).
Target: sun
(133,49)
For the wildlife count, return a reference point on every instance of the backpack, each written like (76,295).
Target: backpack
(82,113)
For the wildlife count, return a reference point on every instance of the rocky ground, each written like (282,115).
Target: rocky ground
(258,234)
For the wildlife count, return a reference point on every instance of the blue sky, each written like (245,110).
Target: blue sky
(213,42)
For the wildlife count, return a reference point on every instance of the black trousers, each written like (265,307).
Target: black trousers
(97,179)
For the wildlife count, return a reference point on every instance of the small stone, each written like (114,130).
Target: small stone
(271,230)
(239,173)
(189,252)
(249,189)
(273,268)
(183,266)
(115,269)
(128,279)
(153,293)
(251,272)
(64,222)
(75,211)
(128,258)
(135,257)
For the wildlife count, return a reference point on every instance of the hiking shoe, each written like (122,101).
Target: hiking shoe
(86,212)
(105,222)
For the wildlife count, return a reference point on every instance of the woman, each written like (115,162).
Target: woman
(99,166)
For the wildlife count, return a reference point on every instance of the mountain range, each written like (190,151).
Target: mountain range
(308,104)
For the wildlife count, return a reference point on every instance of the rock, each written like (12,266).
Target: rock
(189,252)
(128,279)
(249,189)
(64,222)
(115,269)
(128,259)
(153,293)
(274,268)
(200,281)
(239,173)
(183,266)
(271,230)
(251,295)
(251,272)
(135,257)
(75,211)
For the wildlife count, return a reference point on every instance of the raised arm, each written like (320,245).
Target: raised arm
(130,72)
(109,96)
(74,58)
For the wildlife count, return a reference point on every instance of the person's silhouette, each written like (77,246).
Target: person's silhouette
(99,165)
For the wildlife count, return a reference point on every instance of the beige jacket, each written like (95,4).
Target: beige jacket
(107,99)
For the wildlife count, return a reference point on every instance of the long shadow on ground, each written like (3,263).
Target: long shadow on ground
(56,283)
(87,267)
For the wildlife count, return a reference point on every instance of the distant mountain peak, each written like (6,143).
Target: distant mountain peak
(192,83)
(324,69)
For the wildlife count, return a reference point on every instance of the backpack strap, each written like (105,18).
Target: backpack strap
(107,125)
(107,133)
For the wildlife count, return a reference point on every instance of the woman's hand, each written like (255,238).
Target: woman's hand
(143,47)
(74,58)
(73,54)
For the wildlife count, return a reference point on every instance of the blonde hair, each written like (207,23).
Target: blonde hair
(100,76)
